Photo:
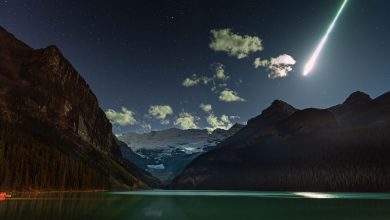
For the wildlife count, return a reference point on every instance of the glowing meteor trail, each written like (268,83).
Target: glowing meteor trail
(310,64)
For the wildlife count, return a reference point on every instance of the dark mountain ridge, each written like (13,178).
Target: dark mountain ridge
(343,148)
(54,136)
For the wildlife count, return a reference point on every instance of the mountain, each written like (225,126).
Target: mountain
(260,125)
(165,153)
(53,134)
(359,109)
(343,148)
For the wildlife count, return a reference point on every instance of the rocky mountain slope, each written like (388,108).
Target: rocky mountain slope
(165,153)
(343,148)
(53,134)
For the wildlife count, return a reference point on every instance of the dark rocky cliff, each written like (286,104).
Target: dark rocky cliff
(53,133)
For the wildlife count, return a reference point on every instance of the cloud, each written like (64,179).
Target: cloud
(145,127)
(228,95)
(206,79)
(206,107)
(219,123)
(188,82)
(186,121)
(220,72)
(123,118)
(234,117)
(234,44)
(219,75)
(165,122)
(195,80)
(222,85)
(161,112)
(277,67)
(261,63)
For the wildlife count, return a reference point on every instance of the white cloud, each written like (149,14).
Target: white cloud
(146,127)
(195,80)
(234,44)
(228,95)
(165,122)
(206,107)
(220,72)
(260,63)
(222,123)
(219,75)
(123,118)
(188,82)
(277,67)
(234,117)
(160,111)
(186,121)
(222,85)
(283,59)
(206,80)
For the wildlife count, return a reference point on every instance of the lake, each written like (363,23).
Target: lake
(199,205)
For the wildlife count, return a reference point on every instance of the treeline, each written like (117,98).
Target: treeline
(343,159)
(42,160)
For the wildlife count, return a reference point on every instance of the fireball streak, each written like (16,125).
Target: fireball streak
(310,64)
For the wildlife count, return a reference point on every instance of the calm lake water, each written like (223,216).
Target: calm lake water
(199,205)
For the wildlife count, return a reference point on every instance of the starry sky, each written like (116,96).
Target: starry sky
(140,57)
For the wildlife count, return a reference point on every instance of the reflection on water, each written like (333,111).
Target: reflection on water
(315,195)
(197,205)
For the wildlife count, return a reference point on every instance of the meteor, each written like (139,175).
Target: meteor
(310,64)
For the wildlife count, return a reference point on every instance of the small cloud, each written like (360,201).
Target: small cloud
(222,122)
(228,95)
(277,67)
(220,72)
(234,117)
(222,85)
(160,112)
(206,107)
(220,75)
(206,80)
(188,82)
(165,122)
(146,127)
(260,63)
(234,44)
(123,118)
(195,80)
(186,121)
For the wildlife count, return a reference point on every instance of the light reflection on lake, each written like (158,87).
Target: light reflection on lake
(197,205)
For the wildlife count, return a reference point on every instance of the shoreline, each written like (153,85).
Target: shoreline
(51,191)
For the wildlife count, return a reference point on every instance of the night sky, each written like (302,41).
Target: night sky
(137,54)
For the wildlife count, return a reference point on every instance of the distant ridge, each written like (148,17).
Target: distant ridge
(343,148)
(165,153)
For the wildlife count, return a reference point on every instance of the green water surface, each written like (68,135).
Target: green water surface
(199,205)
